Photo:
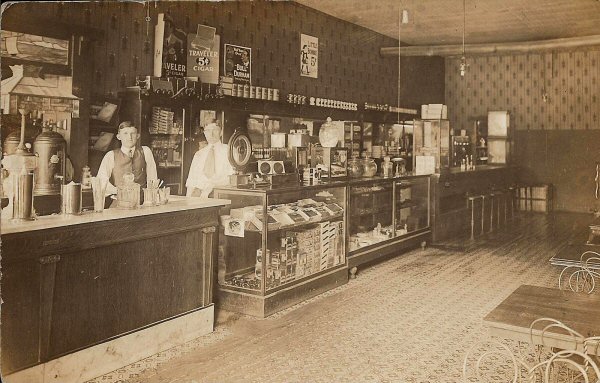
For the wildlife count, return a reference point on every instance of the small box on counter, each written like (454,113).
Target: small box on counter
(257,220)
(298,140)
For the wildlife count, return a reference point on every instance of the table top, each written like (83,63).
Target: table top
(513,317)
(570,253)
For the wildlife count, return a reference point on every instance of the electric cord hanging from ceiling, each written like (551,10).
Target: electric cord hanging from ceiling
(399,60)
(463,59)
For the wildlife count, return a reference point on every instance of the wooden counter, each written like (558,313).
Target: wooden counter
(451,215)
(70,282)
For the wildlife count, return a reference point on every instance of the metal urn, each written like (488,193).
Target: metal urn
(50,148)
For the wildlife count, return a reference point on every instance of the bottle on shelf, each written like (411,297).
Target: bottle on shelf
(388,167)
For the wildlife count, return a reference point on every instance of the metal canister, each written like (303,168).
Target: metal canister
(71,198)
(12,140)
(22,195)
(50,147)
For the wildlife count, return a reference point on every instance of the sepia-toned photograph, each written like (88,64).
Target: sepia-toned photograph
(280,191)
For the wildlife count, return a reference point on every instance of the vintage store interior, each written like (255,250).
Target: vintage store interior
(300,191)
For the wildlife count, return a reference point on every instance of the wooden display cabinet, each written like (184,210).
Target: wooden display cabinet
(279,247)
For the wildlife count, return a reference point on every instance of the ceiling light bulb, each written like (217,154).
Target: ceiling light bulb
(463,66)
(404,16)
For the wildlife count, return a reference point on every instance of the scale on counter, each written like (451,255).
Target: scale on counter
(240,151)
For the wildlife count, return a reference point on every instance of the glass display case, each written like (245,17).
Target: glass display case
(385,214)
(280,246)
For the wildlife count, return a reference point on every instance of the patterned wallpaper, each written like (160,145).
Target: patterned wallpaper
(557,140)
(571,80)
(350,66)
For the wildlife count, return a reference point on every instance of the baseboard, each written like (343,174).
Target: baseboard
(108,356)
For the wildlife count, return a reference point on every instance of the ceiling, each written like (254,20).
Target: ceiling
(440,22)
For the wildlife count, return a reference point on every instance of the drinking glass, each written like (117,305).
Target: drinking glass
(98,190)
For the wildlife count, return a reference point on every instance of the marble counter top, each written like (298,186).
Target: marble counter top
(176,203)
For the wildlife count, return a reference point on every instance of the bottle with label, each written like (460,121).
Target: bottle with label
(86,178)
(388,167)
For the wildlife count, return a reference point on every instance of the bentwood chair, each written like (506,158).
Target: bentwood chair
(579,368)
(576,363)
(492,361)
(581,277)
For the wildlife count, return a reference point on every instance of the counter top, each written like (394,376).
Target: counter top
(176,203)
(455,171)
(324,184)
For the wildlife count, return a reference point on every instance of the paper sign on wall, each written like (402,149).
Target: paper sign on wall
(203,58)
(309,56)
(174,42)
(238,63)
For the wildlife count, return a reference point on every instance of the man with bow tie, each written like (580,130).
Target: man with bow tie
(130,158)
(210,165)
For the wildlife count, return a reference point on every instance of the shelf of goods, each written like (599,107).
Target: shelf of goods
(279,247)
(386,215)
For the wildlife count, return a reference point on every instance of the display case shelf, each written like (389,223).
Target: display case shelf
(254,229)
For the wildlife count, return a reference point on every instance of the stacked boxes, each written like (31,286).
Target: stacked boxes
(434,111)
(282,263)
(325,244)
(338,243)
(162,121)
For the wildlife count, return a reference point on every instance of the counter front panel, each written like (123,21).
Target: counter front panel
(68,287)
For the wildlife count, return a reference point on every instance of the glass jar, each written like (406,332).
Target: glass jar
(369,167)
(328,134)
(128,194)
(355,167)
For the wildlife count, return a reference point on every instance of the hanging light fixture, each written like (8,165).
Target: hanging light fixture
(463,60)
(402,19)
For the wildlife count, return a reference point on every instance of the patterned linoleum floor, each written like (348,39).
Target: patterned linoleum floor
(408,319)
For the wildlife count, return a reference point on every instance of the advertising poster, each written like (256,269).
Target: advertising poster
(203,58)
(238,63)
(173,49)
(309,56)
(234,227)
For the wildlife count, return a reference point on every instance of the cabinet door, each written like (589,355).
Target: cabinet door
(411,205)
(241,242)
(370,214)
(20,313)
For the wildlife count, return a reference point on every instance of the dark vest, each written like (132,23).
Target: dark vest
(125,164)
